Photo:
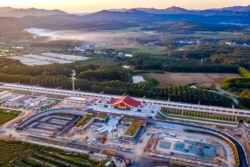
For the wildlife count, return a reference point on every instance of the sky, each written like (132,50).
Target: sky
(97,5)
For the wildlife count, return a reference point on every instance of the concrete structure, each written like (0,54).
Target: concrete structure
(110,125)
(37,100)
(3,93)
(155,104)
(75,100)
(127,105)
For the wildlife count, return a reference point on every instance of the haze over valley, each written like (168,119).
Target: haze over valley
(131,85)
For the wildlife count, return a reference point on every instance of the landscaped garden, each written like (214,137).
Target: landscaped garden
(85,120)
(209,117)
(135,125)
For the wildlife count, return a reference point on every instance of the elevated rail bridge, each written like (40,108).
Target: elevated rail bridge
(164,104)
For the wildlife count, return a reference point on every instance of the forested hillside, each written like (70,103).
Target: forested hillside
(110,80)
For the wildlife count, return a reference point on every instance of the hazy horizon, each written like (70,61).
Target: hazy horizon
(96,5)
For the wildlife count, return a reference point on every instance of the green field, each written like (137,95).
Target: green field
(7,115)
(149,50)
(20,154)
(100,61)
(218,35)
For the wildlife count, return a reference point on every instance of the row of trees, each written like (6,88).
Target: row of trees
(215,54)
(239,56)
(111,80)
(174,93)
(200,68)
(107,74)
(243,83)
(5,62)
(200,115)
(244,72)
(245,98)
(53,69)
(148,62)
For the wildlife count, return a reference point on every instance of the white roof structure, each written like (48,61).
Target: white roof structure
(74,99)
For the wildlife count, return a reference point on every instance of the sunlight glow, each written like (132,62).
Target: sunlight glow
(96,5)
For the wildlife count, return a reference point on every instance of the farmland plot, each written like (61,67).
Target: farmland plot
(167,79)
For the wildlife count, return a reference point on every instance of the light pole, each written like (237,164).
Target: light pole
(73,79)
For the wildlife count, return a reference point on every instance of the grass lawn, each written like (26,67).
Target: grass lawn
(102,116)
(154,50)
(100,61)
(7,115)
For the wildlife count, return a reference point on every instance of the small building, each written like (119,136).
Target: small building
(127,105)
(75,100)
(17,98)
(37,100)
(125,102)
(3,93)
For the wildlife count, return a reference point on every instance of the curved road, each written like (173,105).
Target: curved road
(241,152)
(242,156)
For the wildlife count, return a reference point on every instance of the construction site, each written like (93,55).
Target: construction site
(177,143)
(108,129)
(121,124)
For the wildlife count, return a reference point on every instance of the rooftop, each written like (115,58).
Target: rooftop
(126,100)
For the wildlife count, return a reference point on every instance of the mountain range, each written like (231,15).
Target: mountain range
(237,14)
(206,12)
(13,12)
(13,19)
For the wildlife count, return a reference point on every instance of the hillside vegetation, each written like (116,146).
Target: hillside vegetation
(110,84)
(240,85)
(13,153)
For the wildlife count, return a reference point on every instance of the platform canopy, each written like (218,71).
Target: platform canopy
(125,102)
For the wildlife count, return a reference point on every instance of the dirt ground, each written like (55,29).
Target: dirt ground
(205,79)
(5,138)
(247,146)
